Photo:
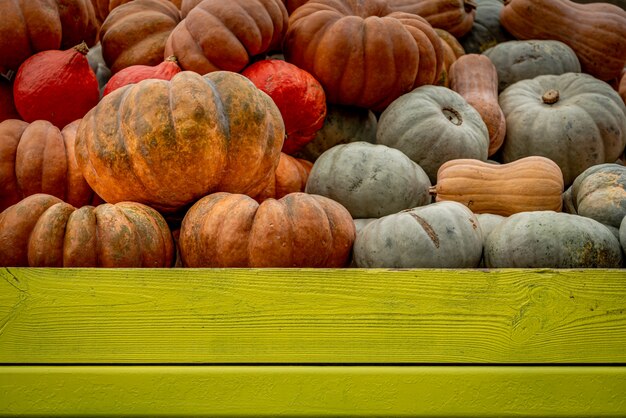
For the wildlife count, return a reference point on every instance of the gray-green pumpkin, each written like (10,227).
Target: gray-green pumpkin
(574,119)
(522,60)
(552,240)
(439,235)
(488,222)
(369,180)
(486,31)
(432,125)
(622,234)
(599,193)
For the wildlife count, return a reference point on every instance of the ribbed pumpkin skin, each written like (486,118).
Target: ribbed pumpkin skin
(39,158)
(486,31)
(104,7)
(531,183)
(439,235)
(547,239)
(596,31)
(290,176)
(599,193)
(42,231)
(217,35)
(452,50)
(361,52)
(475,78)
(136,73)
(135,33)
(432,125)
(454,16)
(299,230)
(585,127)
(31,26)
(200,135)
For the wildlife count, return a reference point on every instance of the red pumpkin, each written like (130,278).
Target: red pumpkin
(57,86)
(7,106)
(135,73)
(298,95)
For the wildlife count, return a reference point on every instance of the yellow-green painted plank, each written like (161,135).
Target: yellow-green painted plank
(311,316)
(313,391)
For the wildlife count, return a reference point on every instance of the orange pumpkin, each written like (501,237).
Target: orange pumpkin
(290,177)
(622,85)
(454,16)
(452,50)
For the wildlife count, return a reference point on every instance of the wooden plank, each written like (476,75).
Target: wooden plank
(311,316)
(313,391)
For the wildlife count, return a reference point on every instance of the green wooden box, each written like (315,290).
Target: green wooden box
(312,342)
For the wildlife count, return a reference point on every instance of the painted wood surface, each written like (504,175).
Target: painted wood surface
(292,316)
(313,391)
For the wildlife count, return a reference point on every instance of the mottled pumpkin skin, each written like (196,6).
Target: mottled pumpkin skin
(135,33)
(201,135)
(299,230)
(599,193)
(290,176)
(546,239)
(486,31)
(217,35)
(31,26)
(586,126)
(454,16)
(362,52)
(43,231)
(39,158)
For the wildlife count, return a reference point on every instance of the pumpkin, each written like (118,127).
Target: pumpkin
(439,235)
(98,66)
(299,97)
(531,183)
(596,31)
(292,5)
(547,239)
(522,60)
(452,50)
(488,222)
(39,158)
(475,78)
(216,35)
(573,119)
(486,31)
(432,125)
(343,124)
(290,176)
(135,73)
(104,7)
(454,16)
(622,235)
(32,26)
(7,105)
(369,180)
(200,135)
(298,230)
(135,33)
(599,193)
(622,86)
(43,231)
(57,86)
(362,52)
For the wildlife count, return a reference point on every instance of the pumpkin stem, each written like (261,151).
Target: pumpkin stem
(550,97)
(432,191)
(453,116)
(469,5)
(82,48)
(171,58)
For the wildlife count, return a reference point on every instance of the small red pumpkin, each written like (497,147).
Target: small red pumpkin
(135,73)
(57,86)
(298,95)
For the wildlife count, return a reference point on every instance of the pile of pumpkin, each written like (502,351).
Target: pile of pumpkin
(320,133)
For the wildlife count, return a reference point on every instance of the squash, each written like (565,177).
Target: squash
(454,16)
(488,222)
(369,180)
(299,97)
(216,35)
(475,78)
(342,125)
(527,184)
(432,125)
(573,119)
(622,235)
(135,73)
(452,50)
(439,235)
(299,230)
(522,60)
(43,231)
(31,26)
(622,86)
(39,158)
(104,7)
(596,31)
(201,135)
(292,5)
(547,239)
(486,31)
(99,67)
(7,105)
(362,52)
(135,33)
(290,176)
(599,193)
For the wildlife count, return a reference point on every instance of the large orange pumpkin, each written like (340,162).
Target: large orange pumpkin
(168,143)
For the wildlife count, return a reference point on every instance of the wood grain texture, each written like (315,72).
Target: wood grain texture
(313,391)
(293,316)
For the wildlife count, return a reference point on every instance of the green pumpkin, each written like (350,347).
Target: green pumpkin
(486,31)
